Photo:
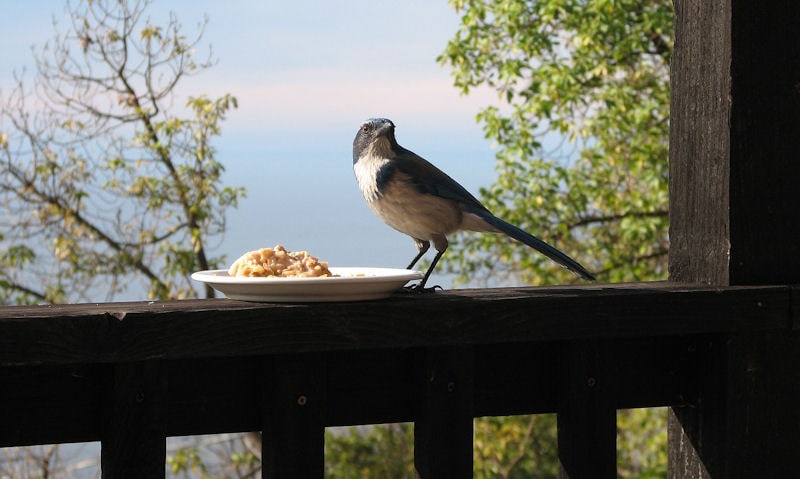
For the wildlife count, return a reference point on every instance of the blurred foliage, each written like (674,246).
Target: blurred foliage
(186,460)
(105,179)
(365,452)
(581,129)
(516,447)
(642,443)
(221,456)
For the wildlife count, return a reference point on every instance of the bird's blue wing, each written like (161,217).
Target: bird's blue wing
(429,179)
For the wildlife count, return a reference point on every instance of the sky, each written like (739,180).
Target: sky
(306,74)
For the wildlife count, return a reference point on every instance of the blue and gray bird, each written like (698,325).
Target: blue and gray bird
(414,197)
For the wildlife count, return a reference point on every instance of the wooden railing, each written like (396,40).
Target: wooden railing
(131,374)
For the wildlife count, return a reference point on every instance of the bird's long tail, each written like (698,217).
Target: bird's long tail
(535,243)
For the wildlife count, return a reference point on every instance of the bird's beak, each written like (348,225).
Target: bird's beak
(384,129)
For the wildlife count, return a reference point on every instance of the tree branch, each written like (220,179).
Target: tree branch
(586,220)
(27,291)
(66,211)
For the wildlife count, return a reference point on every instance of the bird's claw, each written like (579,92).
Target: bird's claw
(420,289)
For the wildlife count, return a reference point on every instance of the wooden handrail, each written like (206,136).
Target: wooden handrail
(113,332)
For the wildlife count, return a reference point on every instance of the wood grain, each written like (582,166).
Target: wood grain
(735,137)
(80,334)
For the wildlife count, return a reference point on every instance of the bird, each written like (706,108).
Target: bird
(415,197)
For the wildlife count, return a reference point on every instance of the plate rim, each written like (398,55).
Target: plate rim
(310,289)
(388,274)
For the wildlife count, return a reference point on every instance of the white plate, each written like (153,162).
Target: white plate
(349,284)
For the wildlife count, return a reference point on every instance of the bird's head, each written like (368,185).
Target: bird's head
(375,136)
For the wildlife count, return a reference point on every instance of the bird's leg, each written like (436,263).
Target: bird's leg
(422,248)
(440,243)
(421,286)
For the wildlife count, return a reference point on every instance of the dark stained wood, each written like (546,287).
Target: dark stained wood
(699,145)
(765,141)
(227,368)
(695,446)
(293,443)
(512,379)
(216,395)
(134,436)
(744,420)
(735,137)
(42,405)
(370,387)
(762,394)
(587,416)
(443,428)
(80,334)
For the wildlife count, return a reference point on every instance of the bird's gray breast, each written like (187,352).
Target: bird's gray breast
(394,199)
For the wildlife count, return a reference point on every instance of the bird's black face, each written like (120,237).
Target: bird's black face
(369,131)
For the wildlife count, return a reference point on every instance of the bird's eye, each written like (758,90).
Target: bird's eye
(366,127)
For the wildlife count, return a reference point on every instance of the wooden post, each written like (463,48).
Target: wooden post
(293,443)
(735,219)
(134,440)
(587,419)
(699,145)
(443,429)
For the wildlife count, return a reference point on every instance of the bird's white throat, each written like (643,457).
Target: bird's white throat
(366,170)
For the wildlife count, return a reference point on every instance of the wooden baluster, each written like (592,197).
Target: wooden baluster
(587,419)
(293,444)
(443,431)
(134,434)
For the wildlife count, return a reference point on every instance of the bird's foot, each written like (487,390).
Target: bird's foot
(420,289)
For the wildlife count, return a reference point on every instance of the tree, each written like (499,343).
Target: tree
(515,447)
(234,456)
(104,180)
(591,78)
(33,461)
(381,451)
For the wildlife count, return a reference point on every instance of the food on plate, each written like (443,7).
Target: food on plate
(266,262)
